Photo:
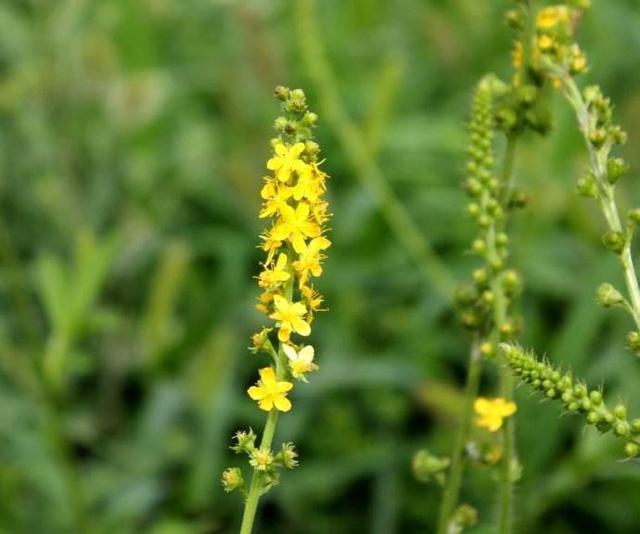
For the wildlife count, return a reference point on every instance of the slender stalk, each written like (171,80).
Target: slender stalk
(358,154)
(598,163)
(506,378)
(454,479)
(251,504)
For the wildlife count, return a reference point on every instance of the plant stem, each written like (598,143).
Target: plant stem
(454,480)
(506,379)
(251,504)
(598,163)
(359,156)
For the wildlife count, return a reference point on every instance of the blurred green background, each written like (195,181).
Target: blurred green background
(133,138)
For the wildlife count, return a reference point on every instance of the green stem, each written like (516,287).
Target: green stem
(359,156)
(506,379)
(251,504)
(598,163)
(454,480)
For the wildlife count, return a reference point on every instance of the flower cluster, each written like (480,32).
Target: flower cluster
(555,28)
(294,244)
(574,394)
(477,301)
(262,459)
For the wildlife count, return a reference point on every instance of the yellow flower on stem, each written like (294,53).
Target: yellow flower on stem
(300,362)
(275,197)
(492,412)
(286,161)
(269,245)
(289,316)
(549,16)
(295,226)
(275,275)
(309,261)
(270,392)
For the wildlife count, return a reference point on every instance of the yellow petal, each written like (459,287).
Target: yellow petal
(284,333)
(282,403)
(281,149)
(283,386)
(301,326)
(266,404)
(482,406)
(267,376)
(280,302)
(256,393)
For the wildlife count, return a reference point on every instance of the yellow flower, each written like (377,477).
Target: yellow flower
(545,42)
(290,318)
(295,226)
(286,161)
(261,459)
(309,261)
(552,15)
(491,412)
(313,299)
(310,185)
(300,362)
(269,245)
(275,275)
(270,392)
(275,198)
(517,55)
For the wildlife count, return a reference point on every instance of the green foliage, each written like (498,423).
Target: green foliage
(131,155)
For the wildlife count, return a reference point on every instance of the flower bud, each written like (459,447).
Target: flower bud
(616,168)
(597,137)
(633,342)
(309,118)
(608,296)
(425,465)
(631,449)
(281,92)
(232,479)
(614,241)
(586,186)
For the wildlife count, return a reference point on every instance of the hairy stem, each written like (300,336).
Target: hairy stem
(506,379)
(251,504)
(598,164)
(454,479)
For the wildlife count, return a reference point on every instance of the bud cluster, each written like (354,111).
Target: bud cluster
(427,466)
(265,463)
(575,396)
(477,300)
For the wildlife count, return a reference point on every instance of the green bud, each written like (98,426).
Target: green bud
(488,297)
(586,186)
(309,118)
(635,426)
(311,148)
(465,516)
(280,124)
(518,199)
(425,465)
(621,429)
(514,19)
(634,215)
(288,456)
(620,411)
(593,418)
(608,296)
(479,247)
(473,187)
(597,137)
(614,241)
(297,101)
(616,168)
(618,135)
(245,442)
(631,449)
(596,397)
(232,479)
(473,209)
(633,342)
(281,92)
(480,277)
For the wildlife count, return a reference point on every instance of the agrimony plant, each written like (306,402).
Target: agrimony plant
(294,244)
(560,59)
